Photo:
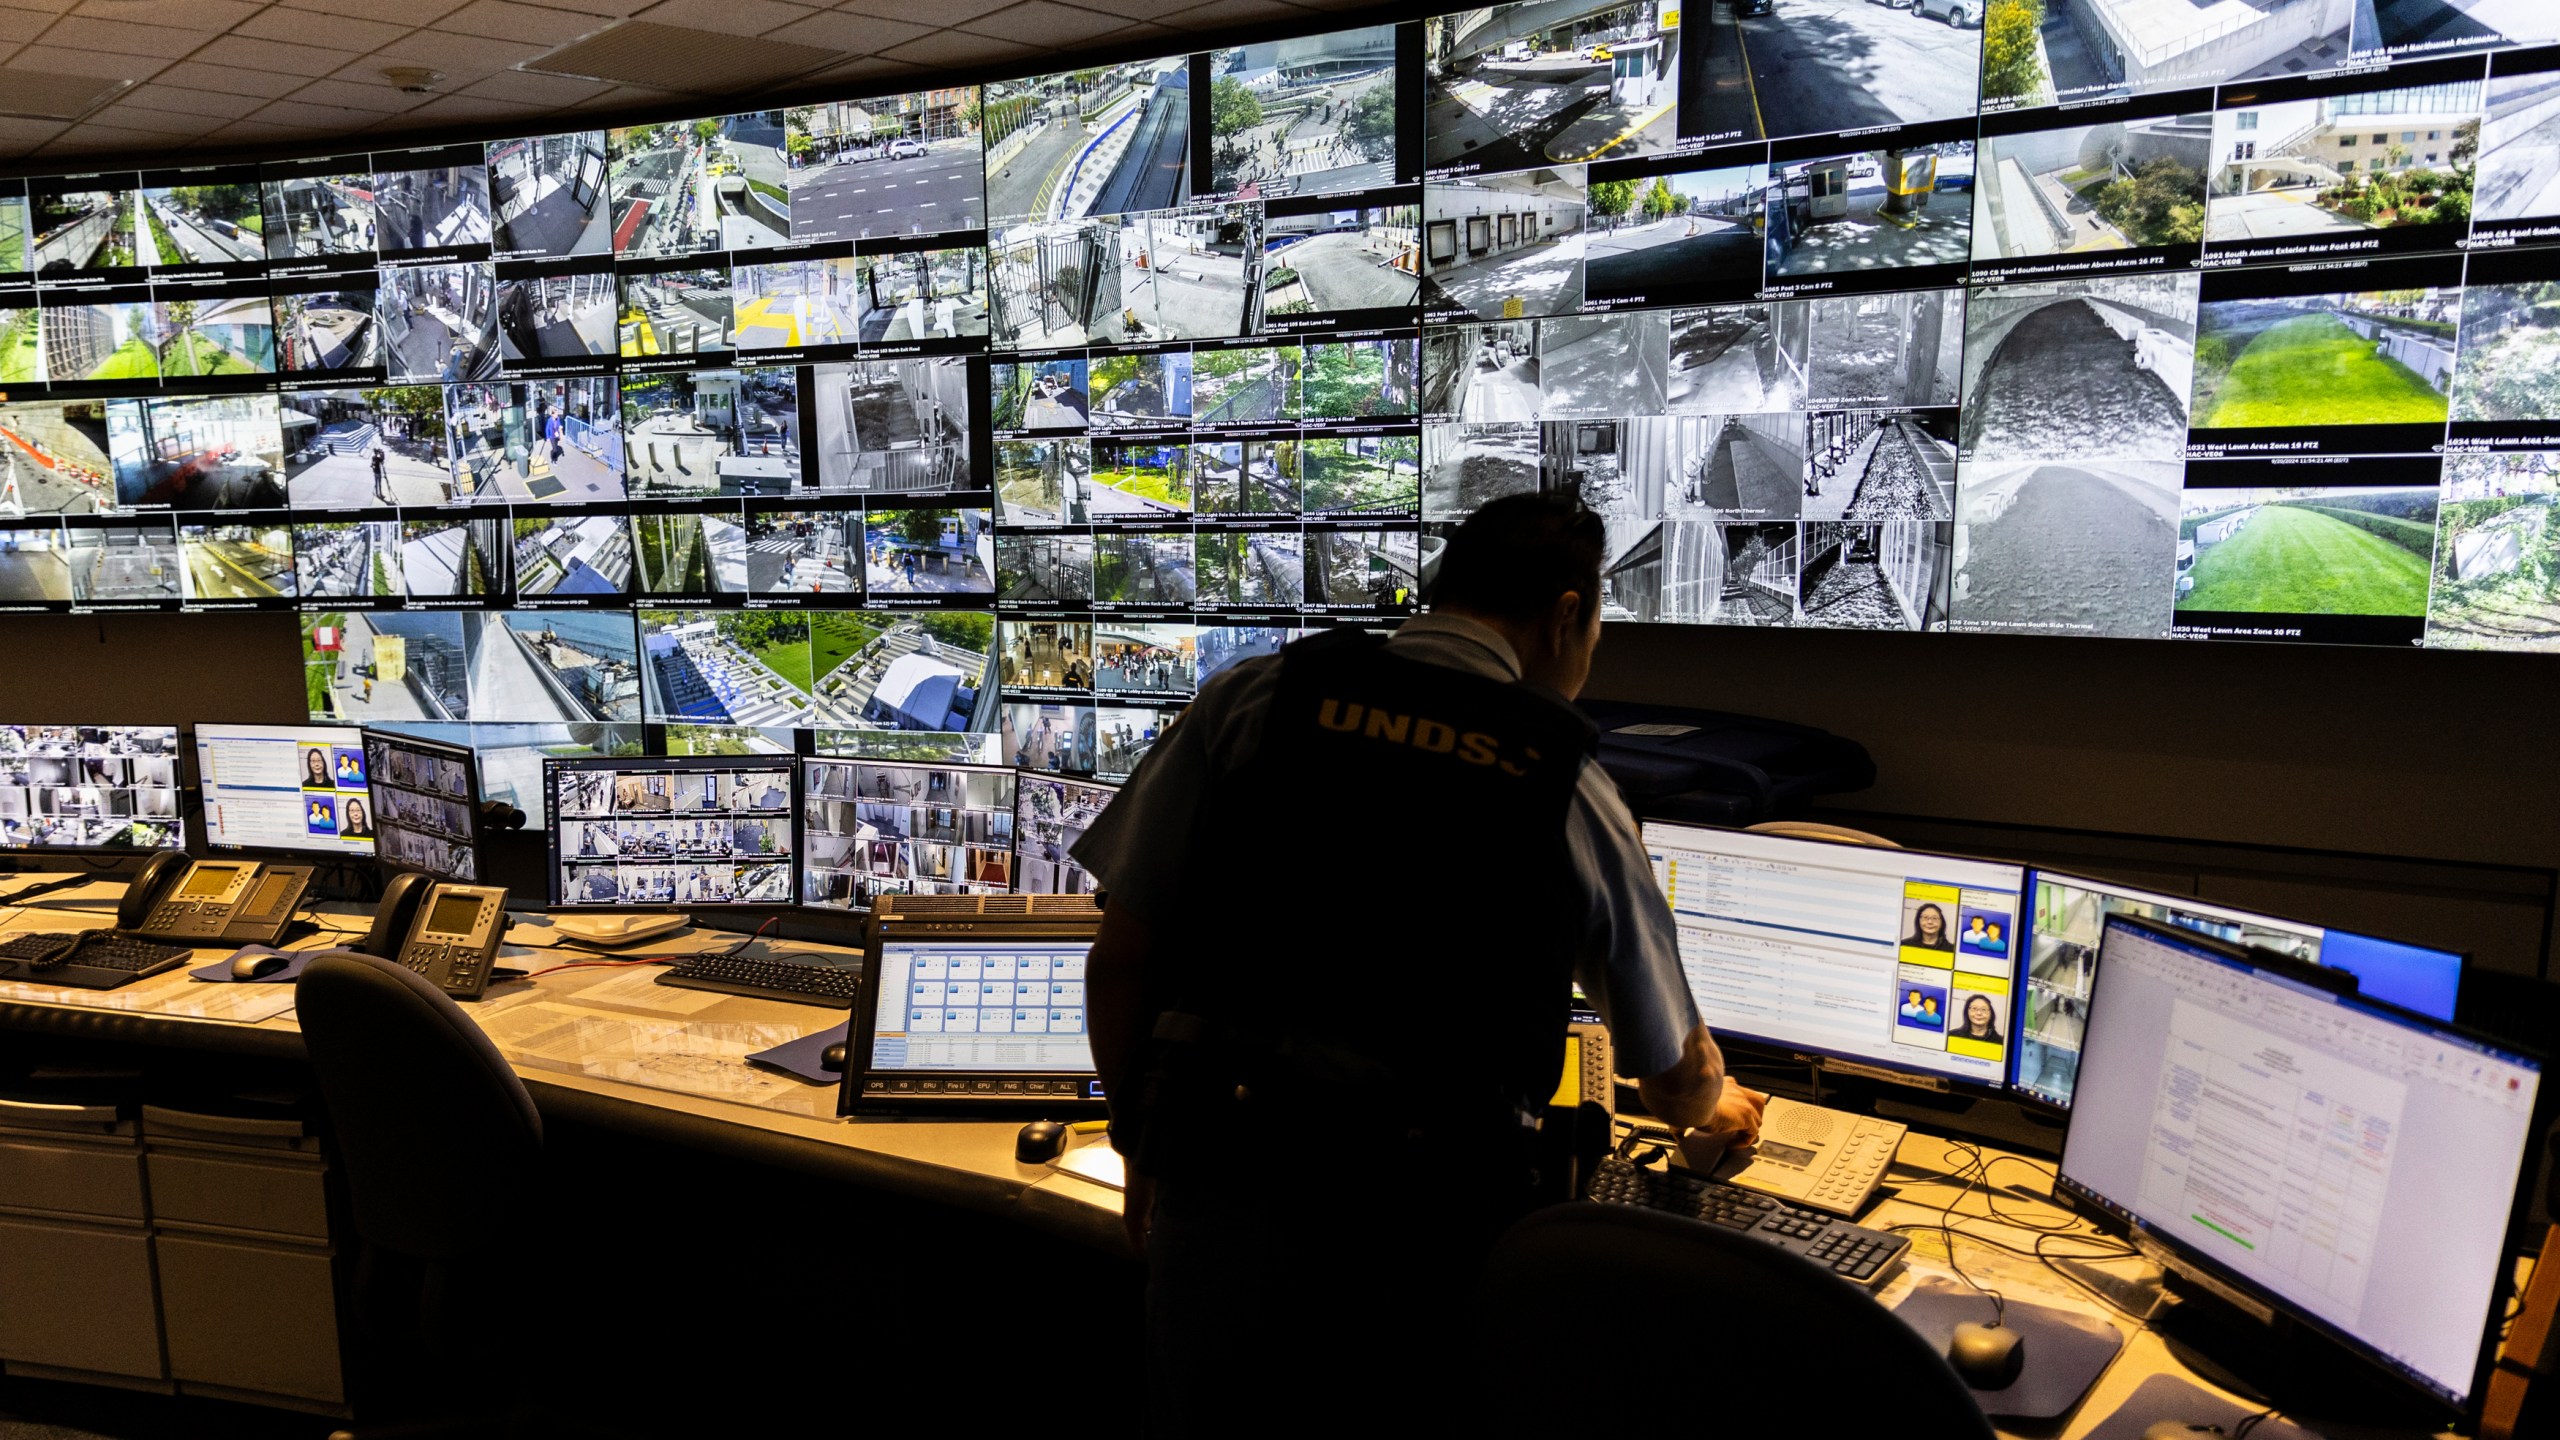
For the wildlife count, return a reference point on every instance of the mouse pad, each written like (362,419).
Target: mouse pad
(2166,1397)
(2066,1351)
(800,1057)
(221,969)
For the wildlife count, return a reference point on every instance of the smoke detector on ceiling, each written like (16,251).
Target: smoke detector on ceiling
(412,79)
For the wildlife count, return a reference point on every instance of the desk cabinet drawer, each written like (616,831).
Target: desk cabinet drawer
(250,1317)
(78,1297)
(73,1179)
(238,1194)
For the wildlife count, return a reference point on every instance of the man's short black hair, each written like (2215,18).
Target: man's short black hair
(1514,557)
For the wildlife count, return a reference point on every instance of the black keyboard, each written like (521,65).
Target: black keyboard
(798,981)
(1852,1252)
(95,959)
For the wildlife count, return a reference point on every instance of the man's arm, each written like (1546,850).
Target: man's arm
(1116,1011)
(1684,1097)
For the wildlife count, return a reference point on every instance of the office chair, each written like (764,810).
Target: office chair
(438,1144)
(1816,830)
(1607,1315)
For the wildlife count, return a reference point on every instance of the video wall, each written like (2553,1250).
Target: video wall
(1008,413)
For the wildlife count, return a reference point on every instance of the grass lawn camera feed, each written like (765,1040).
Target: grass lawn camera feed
(2305,551)
(2381,357)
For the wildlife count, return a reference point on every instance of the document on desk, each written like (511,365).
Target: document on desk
(172,994)
(691,1057)
(638,988)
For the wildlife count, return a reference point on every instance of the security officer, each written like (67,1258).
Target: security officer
(1345,897)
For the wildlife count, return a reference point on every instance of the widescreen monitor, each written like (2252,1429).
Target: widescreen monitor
(1892,959)
(2063,925)
(2346,1161)
(90,787)
(298,788)
(689,832)
(870,828)
(959,1007)
(426,805)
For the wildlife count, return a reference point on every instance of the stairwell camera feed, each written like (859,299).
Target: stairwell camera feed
(671,832)
(872,829)
(89,787)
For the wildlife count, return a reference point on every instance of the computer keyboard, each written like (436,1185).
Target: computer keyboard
(1852,1252)
(98,959)
(797,981)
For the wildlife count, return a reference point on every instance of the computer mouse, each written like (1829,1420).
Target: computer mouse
(2178,1430)
(1040,1142)
(257,967)
(1987,1357)
(832,1058)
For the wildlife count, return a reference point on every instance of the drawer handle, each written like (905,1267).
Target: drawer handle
(42,1112)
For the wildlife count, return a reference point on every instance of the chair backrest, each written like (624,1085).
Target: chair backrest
(435,1134)
(1747,1340)
(1816,830)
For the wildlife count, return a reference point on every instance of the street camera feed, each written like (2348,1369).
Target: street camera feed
(226,566)
(89,787)
(85,226)
(668,313)
(887,166)
(1107,141)
(216,223)
(672,834)
(1311,115)
(869,830)
(1683,234)
(692,186)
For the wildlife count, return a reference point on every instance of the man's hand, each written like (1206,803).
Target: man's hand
(1733,1127)
(1688,1095)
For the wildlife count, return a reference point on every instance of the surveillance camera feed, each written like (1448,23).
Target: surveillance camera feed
(878,829)
(426,805)
(676,832)
(89,787)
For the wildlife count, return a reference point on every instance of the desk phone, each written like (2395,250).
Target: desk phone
(1588,1074)
(212,902)
(446,932)
(1820,1159)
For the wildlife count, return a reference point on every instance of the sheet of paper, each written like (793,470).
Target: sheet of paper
(639,988)
(692,1057)
(171,994)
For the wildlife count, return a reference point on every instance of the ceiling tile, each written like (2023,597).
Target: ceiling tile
(248,54)
(1145,9)
(607,9)
(959,50)
(528,23)
(1218,14)
(729,17)
(1044,22)
(458,108)
(122,37)
(329,119)
(627,98)
(1171,40)
(523,89)
(853,34)
(867,70)
(157,122)
(18,135)
(20,26)
(311,27)
(944,12)
(455,55)
(157,95)
(377,99)
(392,12)
(91,138)
(197,75)
(85,62)
(210,16)
(253,130)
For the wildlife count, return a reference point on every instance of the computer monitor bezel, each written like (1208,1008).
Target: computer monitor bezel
(553,766)
(1863,1066)
(177,787)
(800,815)
(2175,1254)
(2036,876)
(214,847)
(1062,919)
(472,818)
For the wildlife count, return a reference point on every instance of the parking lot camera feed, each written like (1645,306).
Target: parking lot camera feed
(691,186)
(1877,210)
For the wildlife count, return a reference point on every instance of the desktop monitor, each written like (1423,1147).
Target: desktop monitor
(2063,925)
(692,832)
(870,828)
(299,788)
(2347,1162)
(1050,815)
(426,805)
(90,787)
(971,1001)
(1893,962)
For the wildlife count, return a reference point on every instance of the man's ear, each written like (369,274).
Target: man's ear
(1569,615)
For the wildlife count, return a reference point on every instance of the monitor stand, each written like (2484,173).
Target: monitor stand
(2277,1362)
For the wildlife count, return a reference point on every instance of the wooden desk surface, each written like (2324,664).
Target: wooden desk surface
(608,1046)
